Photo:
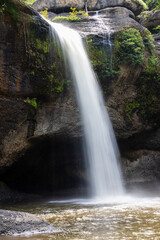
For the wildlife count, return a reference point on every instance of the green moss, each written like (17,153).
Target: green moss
(148,87)
(129,47)
(130,108)
(9,7)
(104,64)
(66,19)
(148,41)
(48,68)
(42,45)
(32,102)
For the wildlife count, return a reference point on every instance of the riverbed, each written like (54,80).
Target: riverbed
(126,218)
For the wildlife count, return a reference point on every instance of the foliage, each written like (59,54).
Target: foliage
(141,2)
(157,29)
(52,76)
(105,65)
(29,1)
(148,41)
(153,4)
(45,13)
(3,7)
(42,45)
(32,102)
(129,47)
(9,7)
(130,108)
(72,17)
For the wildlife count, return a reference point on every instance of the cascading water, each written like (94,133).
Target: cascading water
(101,147)
(106,33)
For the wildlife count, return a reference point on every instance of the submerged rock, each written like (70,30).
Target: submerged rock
(15,223)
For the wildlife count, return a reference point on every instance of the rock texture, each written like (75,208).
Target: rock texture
(15,223)
(140,165)
(149,19)
(60,6)
(110,19)
(24,72)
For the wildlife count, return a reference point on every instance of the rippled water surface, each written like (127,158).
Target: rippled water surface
(130,219)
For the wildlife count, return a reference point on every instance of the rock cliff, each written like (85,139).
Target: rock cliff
(48,137)
(60,6)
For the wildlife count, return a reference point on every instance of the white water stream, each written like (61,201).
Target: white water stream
(101,147)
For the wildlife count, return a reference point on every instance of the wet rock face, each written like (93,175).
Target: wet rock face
(60,6)
(110,19)
(22,30)
(26,70)
(20,223)
(139,166)
(17,23)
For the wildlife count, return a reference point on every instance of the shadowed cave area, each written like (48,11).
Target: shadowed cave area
(53,166)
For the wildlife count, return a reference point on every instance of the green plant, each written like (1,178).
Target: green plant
(3,7)
(32,102)
(152,66)
(148,40)
(105,65)
(72,17)
(157,29)
(153,4)
(142,3)
(130,108)
(44,13)
(29,1)
(129,47)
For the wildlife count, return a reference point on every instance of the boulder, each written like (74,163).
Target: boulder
(111,20)
(16,223)
(149,19)
(138,166)
(60,6)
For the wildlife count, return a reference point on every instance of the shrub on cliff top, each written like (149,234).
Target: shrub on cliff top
(72,17)
(129,47)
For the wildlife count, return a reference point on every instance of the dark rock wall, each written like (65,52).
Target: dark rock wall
(33,141)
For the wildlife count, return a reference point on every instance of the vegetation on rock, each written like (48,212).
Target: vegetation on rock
(32,102)
(141,2)
(29,1)
(104,64)
(148,88)
(129,47)
(45,13)
(152,4)
(72,17)
(147,102)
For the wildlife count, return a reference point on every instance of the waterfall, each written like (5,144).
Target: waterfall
(101,147)
(106,33)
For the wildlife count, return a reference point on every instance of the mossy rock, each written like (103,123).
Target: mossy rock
(30,69)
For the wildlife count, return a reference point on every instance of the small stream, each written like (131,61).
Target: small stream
(131,218)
